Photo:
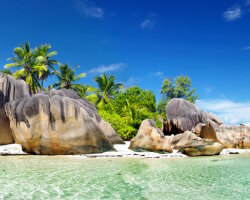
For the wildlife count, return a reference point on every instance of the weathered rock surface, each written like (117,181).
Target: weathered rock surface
(10,89)
(57,123)
(190,144)
(183,139)
(206,130)
(233,136)
(150,138)
(110,133)
(201,147)
(184,116)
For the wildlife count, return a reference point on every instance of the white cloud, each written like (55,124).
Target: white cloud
(131,82)
(107,68)
(158,74)
(229,111)
(148,23)
(88,9)
(247,48)
(232,13)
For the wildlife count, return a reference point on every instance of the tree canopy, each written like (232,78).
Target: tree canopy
(179,88)
(106,89)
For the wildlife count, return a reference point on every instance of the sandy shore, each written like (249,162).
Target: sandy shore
(121,151)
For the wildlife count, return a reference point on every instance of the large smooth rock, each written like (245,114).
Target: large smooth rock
(57,124)
(206,130)
(150,138)
(110,133)
(233,136)
(183,139)
(10,89)
(184,116)
(108,130)
(201,147)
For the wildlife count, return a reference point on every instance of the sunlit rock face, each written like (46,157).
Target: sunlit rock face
(233,136)
(192,145)
(110,133)
(57,123)
(150,138)
(201,147)
(10,89)
(206,130)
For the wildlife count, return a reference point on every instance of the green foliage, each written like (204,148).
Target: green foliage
(161,107)
(67,78)
(82,90)
(180,88)
(31,66)
(135,96)
(43,62)
(129,108)
(6,71)
(117,122)
(106,89)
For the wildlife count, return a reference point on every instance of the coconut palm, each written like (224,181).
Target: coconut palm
(82,90)
(24,61)
(67,78)
(43,61)
(107,89)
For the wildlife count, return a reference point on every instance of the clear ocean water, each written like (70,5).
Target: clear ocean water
(62,177)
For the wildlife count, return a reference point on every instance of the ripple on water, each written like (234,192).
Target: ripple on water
(59,177)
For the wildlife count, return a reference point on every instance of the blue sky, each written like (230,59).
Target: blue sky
(141,42)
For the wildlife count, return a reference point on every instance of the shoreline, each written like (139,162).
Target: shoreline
(122,151)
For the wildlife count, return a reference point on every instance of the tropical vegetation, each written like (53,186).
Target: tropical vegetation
(124,109)
(180,87)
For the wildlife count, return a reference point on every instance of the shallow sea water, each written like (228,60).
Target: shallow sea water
(65,177)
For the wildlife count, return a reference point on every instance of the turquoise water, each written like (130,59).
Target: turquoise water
(58,177)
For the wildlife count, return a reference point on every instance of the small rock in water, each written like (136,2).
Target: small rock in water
(235,152)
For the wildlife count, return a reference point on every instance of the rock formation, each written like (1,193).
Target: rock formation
(192,145)
(150,138)
(184,116)
(110,133)
(206,130)
(57,123)
(233,136)
(201,147)
(10,89)
(182,139)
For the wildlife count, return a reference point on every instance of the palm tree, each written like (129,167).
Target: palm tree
(107,89)
(24,60)
(43,61)
(82,90)
(67,77)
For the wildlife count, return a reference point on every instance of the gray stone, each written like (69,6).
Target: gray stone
(110,133)
(57,124)
(10,89)
(184,116)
